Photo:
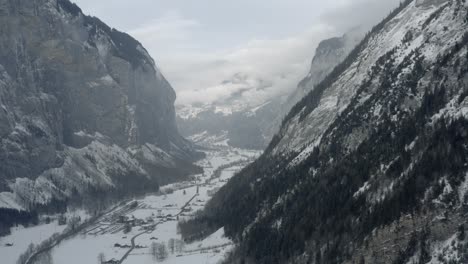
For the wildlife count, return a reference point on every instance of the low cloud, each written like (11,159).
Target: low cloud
(279,62)
(199,76)
(199,46)
(166,33)
(351,13)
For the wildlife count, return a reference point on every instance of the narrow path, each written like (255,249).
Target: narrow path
(81,228)
(153,227)
(133,242)
(125,256)
(57,241)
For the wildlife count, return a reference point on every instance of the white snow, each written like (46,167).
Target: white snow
(107,80)
(304,153)
(254,110)
(88,165)
(452,111)
(362,190)
(8,200)
(103,48)
(463,189)
(156,155)
(102,235)
(446,251)
(189,112)
(206,139)
(337,97)
(21,237)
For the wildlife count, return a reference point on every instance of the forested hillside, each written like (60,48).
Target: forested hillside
(371,166)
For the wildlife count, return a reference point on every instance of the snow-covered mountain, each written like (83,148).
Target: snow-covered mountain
(328,54)
(371,165)
(242,118)
(252,115)
(84,110)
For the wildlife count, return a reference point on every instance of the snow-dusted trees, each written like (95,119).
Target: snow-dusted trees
(74,222)
(158,251)
(179,245)
(12,217)
(171,245)
(162,252)
(154,249)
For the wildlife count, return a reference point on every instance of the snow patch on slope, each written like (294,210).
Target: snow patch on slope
(300,132)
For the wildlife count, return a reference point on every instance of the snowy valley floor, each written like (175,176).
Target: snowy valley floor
(153,218)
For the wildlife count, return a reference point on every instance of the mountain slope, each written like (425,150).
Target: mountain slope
(84,110)
(371,166)
(328,55)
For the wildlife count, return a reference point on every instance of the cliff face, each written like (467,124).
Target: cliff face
(371,166)
(328,54)
(82,106)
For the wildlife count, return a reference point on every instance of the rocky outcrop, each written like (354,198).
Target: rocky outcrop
(328,54)
(82,107)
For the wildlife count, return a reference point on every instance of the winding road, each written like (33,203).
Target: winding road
(110,214)
(153,227)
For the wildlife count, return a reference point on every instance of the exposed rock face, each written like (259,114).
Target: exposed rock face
(328,54)
(372,165)
(82,106)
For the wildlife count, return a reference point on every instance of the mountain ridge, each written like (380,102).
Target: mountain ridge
(372,160)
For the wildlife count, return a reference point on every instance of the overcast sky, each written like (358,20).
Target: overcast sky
(199,44)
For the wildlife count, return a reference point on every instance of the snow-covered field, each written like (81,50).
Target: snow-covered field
(21,238)
(15,244)
(154,218)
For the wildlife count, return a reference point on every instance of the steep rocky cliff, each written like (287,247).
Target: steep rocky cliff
(329,53)
(371,166)
(84,109)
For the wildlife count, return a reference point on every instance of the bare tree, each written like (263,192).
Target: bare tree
(73,222)
(101,258)
(179,245)
(162,252)
(171,245)
(154,250)
(159,251)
